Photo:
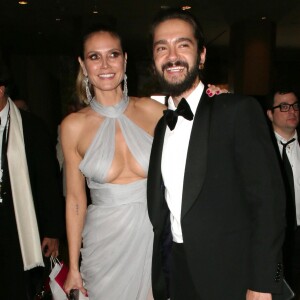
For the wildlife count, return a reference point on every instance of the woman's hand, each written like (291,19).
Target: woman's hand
(215,90)
(74,281)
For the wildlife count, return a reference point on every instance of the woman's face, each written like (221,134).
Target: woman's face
(104,61)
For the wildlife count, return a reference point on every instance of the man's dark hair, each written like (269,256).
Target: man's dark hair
(5,79)
(4,82)
(184,15)
(280,91)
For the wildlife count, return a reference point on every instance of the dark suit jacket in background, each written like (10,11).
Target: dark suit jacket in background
(48,202)
(291,246)
(233,202)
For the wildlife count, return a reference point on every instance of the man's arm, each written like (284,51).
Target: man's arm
(44,177)
(50,247)
(262,186)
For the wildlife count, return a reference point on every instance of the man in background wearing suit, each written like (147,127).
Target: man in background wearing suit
(31,206)
(283,113)
(214,172)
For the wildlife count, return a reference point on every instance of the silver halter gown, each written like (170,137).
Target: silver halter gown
(117,235)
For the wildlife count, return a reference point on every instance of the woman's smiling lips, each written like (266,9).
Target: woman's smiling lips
(106,76)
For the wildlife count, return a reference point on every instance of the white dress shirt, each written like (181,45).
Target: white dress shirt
(3,116)
(174,155)
(293,154)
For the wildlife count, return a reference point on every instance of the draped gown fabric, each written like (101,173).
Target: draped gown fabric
(117,235)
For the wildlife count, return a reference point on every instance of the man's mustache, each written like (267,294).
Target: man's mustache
(178,63)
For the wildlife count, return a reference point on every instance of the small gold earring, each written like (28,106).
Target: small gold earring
(201,66)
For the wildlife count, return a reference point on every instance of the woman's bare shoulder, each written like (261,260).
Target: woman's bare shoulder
(76,120)
(145,112)
(148,105)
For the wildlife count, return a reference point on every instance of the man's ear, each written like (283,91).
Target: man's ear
(270,115)
(203,56)
(2,90)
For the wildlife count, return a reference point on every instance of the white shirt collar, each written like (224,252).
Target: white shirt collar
(279,138)
(4,114)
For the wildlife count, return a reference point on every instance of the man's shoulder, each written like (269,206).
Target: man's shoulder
(233,98)
(32,122)
(29,116)
(35,130)
(234,101)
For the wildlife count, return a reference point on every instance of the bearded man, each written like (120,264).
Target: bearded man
(215,177)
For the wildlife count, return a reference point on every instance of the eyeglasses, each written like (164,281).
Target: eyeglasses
(284,107)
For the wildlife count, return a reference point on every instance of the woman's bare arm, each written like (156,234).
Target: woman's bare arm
(76,202)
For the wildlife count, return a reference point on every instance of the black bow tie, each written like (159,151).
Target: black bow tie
(183,109)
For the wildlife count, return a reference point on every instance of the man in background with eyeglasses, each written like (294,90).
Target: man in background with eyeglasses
(283,113)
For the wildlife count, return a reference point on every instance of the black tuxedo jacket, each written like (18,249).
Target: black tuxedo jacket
(233,202)
(49,207)
(44,177)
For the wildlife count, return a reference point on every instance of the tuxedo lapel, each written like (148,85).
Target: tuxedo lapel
(196,162)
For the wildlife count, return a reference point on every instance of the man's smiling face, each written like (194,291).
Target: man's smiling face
(176,56)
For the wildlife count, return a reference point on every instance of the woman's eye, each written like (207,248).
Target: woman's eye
(93,56)
(115,54)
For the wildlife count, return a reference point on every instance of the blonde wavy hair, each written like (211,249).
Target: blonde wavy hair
(81,88)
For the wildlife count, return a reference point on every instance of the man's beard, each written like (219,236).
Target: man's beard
(177,88)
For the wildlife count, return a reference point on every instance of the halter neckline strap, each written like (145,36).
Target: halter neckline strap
(113,111)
